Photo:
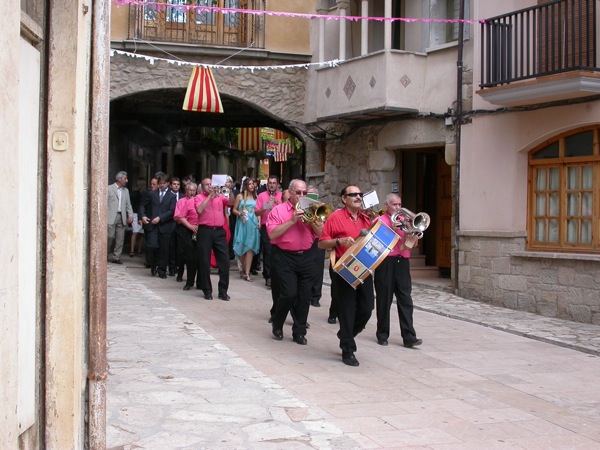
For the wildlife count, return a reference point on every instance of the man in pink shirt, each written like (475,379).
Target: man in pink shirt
(265,202)
(392,276)
(187,226)
(293,262)
(211,236)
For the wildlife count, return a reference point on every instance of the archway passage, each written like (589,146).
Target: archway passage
(150,131)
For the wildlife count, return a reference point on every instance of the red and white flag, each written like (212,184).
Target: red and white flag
(202,94)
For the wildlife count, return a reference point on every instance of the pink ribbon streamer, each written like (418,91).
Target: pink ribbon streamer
(255,12)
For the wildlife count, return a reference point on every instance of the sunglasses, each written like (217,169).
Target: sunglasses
(354,194)
(301,192)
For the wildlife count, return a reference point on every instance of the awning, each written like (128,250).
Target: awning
(202,94)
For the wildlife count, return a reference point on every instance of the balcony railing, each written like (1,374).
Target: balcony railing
(554,37)
(174,21)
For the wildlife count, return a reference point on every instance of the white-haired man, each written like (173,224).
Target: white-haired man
(120,213)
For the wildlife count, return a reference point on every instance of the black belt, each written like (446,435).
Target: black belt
(298,252)
(211,228)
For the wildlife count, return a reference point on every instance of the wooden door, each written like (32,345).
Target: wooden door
(443,225)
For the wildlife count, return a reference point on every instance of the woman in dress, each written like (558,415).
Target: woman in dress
(247,228)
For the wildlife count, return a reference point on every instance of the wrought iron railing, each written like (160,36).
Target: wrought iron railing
(553,37)
(175,21)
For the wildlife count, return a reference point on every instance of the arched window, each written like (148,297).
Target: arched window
(564,193)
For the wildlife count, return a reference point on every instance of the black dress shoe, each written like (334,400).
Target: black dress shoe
(307,325)
(270,320)
(171,272)
(179,279)
(350,360)
(153,271)
(268,282)
(208,296)
(225,297)
(315,303)
(278,334)
(162,275)
(300,340)
(117,261)
(413,344)
(186,287)
(383,342)
(332,320)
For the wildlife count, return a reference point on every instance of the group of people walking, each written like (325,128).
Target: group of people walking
(292,246)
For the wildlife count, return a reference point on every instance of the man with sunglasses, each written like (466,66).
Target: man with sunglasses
(293,269)
(354,307)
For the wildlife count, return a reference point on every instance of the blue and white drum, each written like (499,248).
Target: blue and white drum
(362,258)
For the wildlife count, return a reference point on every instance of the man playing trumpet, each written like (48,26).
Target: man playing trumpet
(293,262)
(392,276)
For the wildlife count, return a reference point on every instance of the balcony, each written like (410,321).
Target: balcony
(174,22)
(541,54)
(386,83)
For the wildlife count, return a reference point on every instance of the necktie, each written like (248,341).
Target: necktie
(162,194)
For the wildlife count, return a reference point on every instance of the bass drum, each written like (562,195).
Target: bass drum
(361,260)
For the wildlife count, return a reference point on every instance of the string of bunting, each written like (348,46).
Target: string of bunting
(255,12)
(153,59)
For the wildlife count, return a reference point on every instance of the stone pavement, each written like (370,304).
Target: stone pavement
(187,373)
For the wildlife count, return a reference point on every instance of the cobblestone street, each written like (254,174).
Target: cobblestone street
(190,373)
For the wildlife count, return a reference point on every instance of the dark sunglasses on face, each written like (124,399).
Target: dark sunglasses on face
(301,192)
(354,194)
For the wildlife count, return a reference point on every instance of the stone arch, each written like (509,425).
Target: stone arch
(279,93)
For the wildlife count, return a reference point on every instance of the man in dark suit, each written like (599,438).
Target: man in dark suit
(157,214)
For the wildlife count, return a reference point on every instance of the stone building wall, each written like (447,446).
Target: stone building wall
(277,93)
(494,268)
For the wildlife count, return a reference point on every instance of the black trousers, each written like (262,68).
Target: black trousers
(393,277)
(207,239)
(354,307)
(173,252)
(187,255)
(333,313)
(295,273)
(265,247)
(158,249)
(317,288)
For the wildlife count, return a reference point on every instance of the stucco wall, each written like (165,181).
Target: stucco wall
(493,177)
(9,126)
(282,34)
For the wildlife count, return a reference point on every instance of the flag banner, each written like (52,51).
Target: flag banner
(249,139)
(286,147)
(280,135)
(280,156)
(202,94)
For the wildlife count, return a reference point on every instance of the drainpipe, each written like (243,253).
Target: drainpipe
(100,101)
(457,136)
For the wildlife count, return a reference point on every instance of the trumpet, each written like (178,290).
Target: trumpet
(314,213)
(373,213)
(221,190)
(410,222)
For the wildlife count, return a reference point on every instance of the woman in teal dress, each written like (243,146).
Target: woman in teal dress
(247,228)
